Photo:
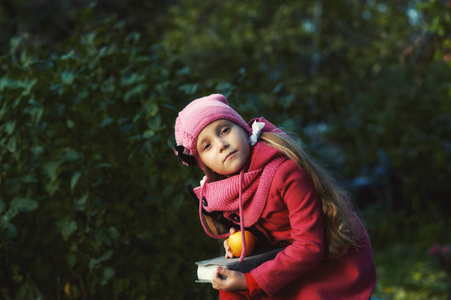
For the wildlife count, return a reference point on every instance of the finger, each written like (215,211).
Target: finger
(233,230)
(226,245)
(221,272)
(215,284)
(229,253)
(218,280)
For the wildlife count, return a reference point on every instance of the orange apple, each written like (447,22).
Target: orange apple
(236,244)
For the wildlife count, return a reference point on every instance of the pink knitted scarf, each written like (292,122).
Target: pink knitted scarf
(244,194)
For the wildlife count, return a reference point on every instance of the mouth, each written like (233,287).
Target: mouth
(229,155)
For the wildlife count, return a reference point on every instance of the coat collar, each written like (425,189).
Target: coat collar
(223,195)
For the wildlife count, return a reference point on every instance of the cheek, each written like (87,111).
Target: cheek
(246,149)
(245,143)
(206,159)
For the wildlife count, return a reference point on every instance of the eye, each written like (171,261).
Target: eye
(225,130)
(206,146)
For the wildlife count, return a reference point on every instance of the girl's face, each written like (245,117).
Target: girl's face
(223,147)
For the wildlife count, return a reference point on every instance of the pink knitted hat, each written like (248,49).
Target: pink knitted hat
(194,117)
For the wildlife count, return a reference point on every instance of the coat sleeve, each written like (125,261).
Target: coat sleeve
(292,186)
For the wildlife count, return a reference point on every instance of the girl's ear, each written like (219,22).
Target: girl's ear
(186,159)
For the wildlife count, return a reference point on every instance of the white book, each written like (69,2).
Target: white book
(206,268)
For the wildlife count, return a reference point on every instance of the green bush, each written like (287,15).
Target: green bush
(405,272)
(92,198)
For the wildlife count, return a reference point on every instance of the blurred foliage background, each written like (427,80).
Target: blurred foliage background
(93,203)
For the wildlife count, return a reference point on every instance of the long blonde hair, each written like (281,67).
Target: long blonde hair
(340,226)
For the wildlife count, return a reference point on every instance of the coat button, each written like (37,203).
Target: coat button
(235,217)
(204,201)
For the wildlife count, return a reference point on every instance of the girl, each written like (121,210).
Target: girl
(261,180)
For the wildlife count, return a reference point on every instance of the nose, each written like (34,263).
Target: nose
(223,145)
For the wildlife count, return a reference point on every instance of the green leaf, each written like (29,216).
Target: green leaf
(224,86)
(154,123)
(131,79)
(108,273)
(95,261)
(68,55)
(106,121)
(286,101)
(4,82)
(4,108)
(12,144)
(120,285)
(14,44)
(80,203)
(67,77)
(103,51)
(178,201)
(152,109)
(10,232)
(23,205)
(10,127)
(113,233)
(135,91)
(105,165)
(71,155)
(71,260)
(52,169)
(29,179)
(66,226)
(184,71)
(189,89)
(16,102)
(2,206)
(51,187)
(28,85)
(70,124)
(37,150)
(35,112)
(148,133)
(277,88)
(24,58)
(168,189)
(74,180)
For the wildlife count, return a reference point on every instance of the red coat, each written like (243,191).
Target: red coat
(301,271)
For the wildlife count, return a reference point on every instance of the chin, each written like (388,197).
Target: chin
(232,173)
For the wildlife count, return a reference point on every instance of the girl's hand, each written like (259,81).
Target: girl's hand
(234,281)
(228,253)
